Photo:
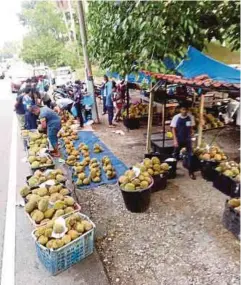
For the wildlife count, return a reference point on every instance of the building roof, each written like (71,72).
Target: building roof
(202,81)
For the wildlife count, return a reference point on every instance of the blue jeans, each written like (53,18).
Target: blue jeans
(30,121)
(104,105)
(110,111)
(52,135)
(188,146)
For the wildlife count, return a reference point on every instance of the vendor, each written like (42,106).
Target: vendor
(182,128)
(50,121)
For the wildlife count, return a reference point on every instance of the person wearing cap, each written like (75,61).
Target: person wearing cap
(51,122)
(182,128)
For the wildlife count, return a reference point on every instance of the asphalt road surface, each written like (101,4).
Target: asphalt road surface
(19,263)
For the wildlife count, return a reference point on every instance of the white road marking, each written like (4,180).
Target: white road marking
(8,259)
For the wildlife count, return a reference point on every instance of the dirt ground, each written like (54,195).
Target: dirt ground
(180,240)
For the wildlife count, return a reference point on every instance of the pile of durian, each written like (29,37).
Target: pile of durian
(74,227)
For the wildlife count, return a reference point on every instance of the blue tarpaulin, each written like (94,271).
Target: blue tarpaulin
(90,139)
(197,63)
(139,77)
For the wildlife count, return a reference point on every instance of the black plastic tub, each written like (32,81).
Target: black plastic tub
(159,182)
(137,201)
(226,185)
(131,123)
(231,220)
(172,172)
(165,151)
(208,169)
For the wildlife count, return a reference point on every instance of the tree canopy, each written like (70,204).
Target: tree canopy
(131,35)
(47,37)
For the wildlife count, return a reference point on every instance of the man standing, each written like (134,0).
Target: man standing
(28,101)
(108,93)
(50,121)
(182,128)
(103,93)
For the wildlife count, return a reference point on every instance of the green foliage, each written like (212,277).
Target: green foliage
(47,39)
(127,36)
(9,49)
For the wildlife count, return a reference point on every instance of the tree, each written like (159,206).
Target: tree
(127,36)
(47,39)
(9,49)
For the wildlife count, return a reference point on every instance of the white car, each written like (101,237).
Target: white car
(63,75)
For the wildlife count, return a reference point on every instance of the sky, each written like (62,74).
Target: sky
(10,28)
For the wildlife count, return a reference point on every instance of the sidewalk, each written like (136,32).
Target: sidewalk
(28,268)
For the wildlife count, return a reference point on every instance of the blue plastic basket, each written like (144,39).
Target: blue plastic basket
(56,261)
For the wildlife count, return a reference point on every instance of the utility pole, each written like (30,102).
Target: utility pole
(86,59)
(72,20)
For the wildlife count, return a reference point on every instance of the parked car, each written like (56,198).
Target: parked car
(2,73)
(63,75)
(18,75)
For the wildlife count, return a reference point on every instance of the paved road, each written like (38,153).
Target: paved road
(27,266)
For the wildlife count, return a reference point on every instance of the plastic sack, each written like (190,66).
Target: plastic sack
(74,111)
(88,100)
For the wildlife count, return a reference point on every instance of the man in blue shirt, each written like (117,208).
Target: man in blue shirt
(182,128)
(109,94)
(50,121)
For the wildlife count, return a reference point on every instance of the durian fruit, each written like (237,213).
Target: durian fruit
(43,205)
(235,202)
(39,232)
(59,205)
(33,198)
(33,181)
(53,189)
(42,191)
(79,227)
(25,191)
(43,240)
(30,206)
(69,201)
(48,214)
(87,225)
(97,148)
(73,234)
(56,197)
(38,216)
(59,213)
(64,191)
(48,232)
(68,210)
(86,181)
(66,239)
(60,178)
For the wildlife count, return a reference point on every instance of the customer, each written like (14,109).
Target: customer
(50,121)
(28,101)
(78,102)
(20,112)
(182,129)
(108,93)
(103,93)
